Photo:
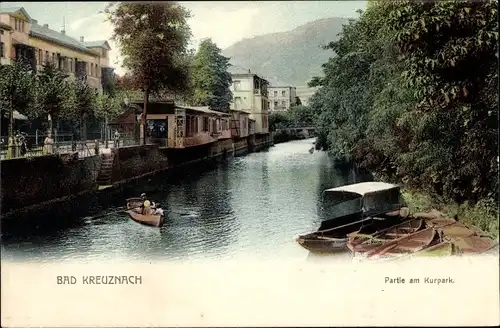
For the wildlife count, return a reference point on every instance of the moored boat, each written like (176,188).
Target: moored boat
(335,239)
(378,206)
(442,249)
(404,245)
(360,243)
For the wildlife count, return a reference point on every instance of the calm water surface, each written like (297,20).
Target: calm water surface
(251,207)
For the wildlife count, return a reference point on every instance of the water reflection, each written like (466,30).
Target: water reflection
(249,207)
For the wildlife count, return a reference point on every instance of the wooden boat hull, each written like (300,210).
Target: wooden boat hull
(408,244)
(133,210)
(335,239)
(149,220)
(438,250)
(332,245)
(360,243)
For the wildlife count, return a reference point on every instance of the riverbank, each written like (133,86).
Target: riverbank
(34,190)
(483,215)
(285,136)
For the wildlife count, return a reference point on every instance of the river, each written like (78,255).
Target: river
(250,207)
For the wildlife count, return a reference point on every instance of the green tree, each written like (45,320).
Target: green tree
(210,78)
(85,105)
(17,93)
(412,95)
(153,37)
(108,106)
(56,95)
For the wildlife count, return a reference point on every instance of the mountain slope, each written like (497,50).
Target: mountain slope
(293,57)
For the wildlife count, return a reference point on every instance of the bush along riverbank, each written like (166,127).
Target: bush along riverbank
(410,97)
(483,215)
(281,136)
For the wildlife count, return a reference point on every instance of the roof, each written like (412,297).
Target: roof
(5,26)
(203,109)
(58,37)
(240,110)
(363,188)
(239,70)
(16,115)
(236,69)
(15,10)
(280,86)
(95,44)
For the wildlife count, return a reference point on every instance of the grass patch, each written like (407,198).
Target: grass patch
(483,215)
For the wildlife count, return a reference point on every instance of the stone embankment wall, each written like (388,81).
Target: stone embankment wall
(29,181)
(135,161)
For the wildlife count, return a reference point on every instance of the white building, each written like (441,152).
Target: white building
(250,94)
(281,97)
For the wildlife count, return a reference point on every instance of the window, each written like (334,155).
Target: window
(276,93)
(189,124)
(46,56)
(39,57)
(237,102)
(2,50)
(18,25)
(283,103)
(283,93)
(206,126)
(237,85)
(275,104)
(157,129)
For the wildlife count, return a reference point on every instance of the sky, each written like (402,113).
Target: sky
(226,22)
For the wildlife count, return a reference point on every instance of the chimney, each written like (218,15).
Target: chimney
(248,71)
(46,25)
(81,39)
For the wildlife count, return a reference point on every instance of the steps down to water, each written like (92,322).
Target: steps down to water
(104,177)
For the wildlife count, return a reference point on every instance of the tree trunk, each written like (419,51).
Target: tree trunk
(11,143)
(51,124)
(144,115)
(81,128)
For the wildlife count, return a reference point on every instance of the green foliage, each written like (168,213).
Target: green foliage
(483,214)
(85,101)
(56,94)
(153,37)
(412,95)
(109,106)
(296,116)
(210,78)
(17,89)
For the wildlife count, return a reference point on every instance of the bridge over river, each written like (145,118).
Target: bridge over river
(251,207)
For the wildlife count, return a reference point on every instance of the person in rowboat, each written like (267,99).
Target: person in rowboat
(147,210)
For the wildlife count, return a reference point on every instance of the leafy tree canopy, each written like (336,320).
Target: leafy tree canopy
(210,78)
(412,95)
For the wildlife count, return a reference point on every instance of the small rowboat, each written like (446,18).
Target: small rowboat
(361,243)
(442,249)
(133,210)
(404,245)
(335,239)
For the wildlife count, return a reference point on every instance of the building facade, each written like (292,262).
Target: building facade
(250,94)
(173,126)
(22,37)
(305,93)
(281,98)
